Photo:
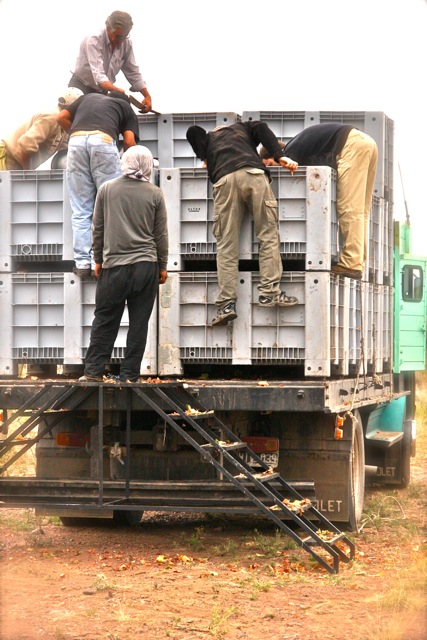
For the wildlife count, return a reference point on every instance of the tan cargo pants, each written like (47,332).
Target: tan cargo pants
(356,168)
(244,191)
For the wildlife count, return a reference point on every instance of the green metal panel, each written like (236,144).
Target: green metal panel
(410,304)
(387,417)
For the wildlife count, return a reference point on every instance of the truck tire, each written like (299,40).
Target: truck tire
(74,521)
(356,475)
(128,518)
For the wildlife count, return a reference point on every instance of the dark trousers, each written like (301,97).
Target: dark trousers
(134,284)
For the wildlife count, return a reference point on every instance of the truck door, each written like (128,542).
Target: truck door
(409,313)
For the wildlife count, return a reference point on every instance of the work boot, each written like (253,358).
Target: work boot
(346,273)
(277,300)
(82,273)
(224,314)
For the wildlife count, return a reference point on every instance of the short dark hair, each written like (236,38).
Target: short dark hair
(119,19)
(264,154)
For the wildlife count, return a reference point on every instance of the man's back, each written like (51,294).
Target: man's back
(129,223)
(96,111)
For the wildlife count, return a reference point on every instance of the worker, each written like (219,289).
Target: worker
(102,56)
(36,139)
(130,244)
(241,183)
(94,121)
(354,155)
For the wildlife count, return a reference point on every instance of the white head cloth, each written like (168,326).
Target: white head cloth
(137,163)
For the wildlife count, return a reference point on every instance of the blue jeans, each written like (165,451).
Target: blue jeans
(92,159)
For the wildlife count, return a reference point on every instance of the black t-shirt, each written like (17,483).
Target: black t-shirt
(318,145)
(227,149)
(95,111)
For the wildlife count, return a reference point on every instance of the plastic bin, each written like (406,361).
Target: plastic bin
(322,332)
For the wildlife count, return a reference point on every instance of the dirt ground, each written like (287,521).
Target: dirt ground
(199,576)
(188,576)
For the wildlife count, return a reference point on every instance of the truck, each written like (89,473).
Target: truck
(283,410)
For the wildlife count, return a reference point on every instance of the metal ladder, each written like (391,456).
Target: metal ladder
(50,399)
(230,457)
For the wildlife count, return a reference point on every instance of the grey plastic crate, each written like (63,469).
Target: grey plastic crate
(189,203)
(307,216)
(36,215)
(47,317)
(149,132)
(322,332)
(380,249)
(80,307)
(32,320)
(173,149)
(287,124)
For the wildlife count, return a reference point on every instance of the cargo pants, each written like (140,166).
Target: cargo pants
(246,190)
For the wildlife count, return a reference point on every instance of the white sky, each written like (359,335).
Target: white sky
(208,56)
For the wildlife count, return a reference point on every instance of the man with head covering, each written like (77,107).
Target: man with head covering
(36,139)
(102,56)
(130,247)
(95,122)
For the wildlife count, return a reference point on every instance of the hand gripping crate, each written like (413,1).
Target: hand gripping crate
(322,332)
(287,124)
(79,314)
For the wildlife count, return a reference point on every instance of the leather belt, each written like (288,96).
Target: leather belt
(106,136)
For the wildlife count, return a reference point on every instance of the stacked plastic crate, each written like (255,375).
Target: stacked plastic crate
(47,311)
(323,332)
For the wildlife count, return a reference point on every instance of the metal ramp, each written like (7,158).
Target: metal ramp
(264,490)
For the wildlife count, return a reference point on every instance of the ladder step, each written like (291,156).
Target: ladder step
(229,446)
(327,536)
(386,438)
(13,443)
(195,415)
(297,506)
(266,476)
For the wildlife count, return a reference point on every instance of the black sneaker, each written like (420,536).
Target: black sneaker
(82,273)
(225,314)
(277,300)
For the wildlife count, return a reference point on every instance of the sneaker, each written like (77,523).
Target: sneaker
(277,300)
(82,273)
(346,273)
(225,314)
(91,378)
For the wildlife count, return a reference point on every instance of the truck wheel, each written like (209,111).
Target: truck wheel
(69,521)
(356,475)
(128,518)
